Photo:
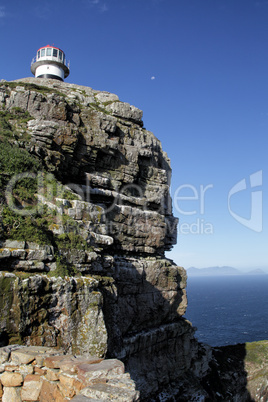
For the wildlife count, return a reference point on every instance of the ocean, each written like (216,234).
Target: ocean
(229,309)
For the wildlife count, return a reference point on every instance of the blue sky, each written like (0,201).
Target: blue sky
(199,71)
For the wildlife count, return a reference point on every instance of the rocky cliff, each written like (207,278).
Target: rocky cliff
(86,218)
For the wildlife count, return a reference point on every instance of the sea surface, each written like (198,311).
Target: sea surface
(229,309)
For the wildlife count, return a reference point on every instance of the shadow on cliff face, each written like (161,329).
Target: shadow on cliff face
(227,376)
(143,315)
(143,312)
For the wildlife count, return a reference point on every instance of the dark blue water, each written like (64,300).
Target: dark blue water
(228,310)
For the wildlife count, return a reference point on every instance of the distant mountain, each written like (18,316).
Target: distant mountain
(213,271)
(257,271)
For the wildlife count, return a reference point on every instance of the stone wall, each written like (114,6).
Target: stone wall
(46,374)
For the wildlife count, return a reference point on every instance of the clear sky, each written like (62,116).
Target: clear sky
(199,71)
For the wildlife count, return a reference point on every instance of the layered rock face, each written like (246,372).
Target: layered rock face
(127,300)
(53,311)
(96,143)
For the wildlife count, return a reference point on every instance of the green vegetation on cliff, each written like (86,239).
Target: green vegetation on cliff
(14,124)
(15,160)
(21,217)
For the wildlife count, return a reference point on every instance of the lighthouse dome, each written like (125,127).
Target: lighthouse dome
(50,62)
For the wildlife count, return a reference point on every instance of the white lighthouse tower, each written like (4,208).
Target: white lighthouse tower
(50,62)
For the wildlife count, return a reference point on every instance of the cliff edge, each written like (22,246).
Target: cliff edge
(86,218)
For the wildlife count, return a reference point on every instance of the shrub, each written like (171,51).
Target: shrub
(14,160)
(71,240)
(63,268)
(19,116)
(56,189)
(33,229)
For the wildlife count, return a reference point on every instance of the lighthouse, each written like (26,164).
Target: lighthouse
(50,62)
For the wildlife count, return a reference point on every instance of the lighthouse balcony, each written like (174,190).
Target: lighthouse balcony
(51,54)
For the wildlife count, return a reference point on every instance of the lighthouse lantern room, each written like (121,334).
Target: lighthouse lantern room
(50,62)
